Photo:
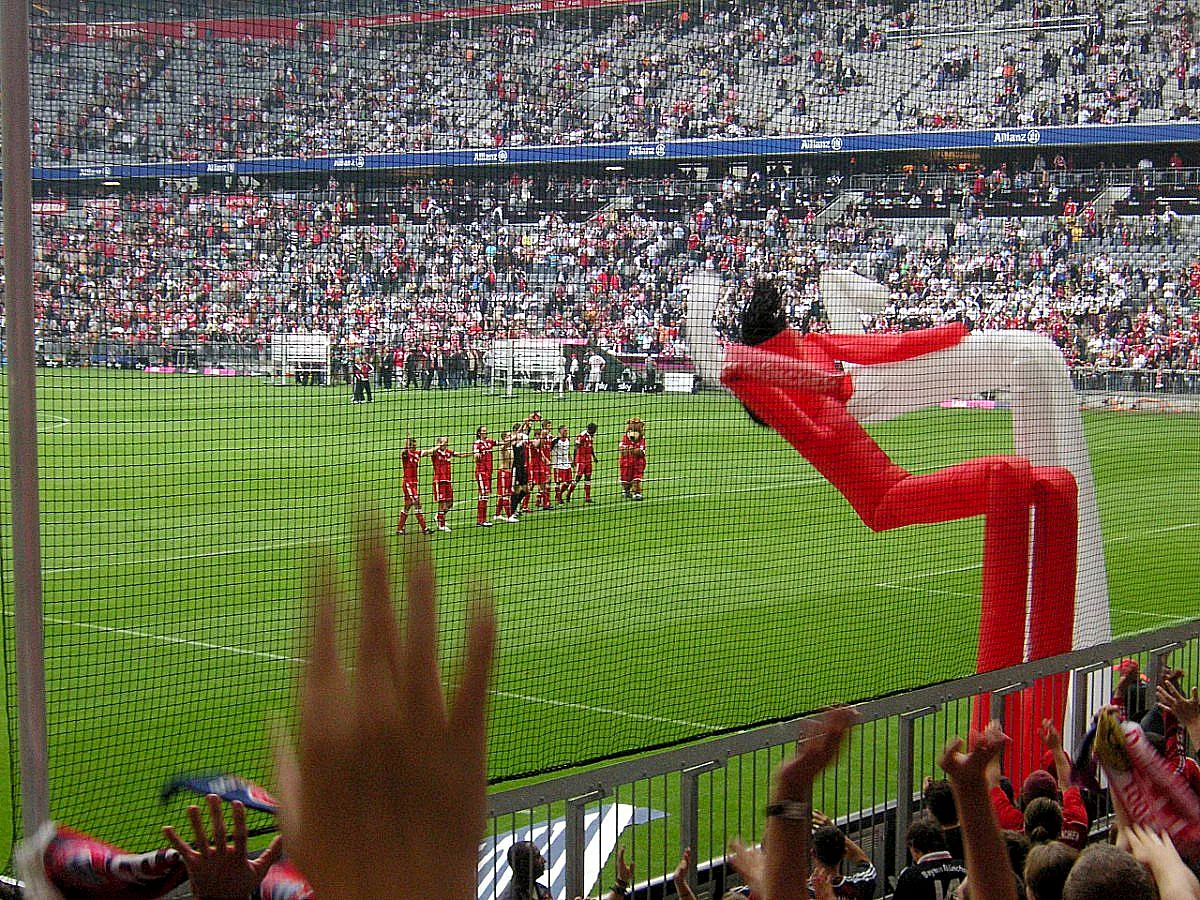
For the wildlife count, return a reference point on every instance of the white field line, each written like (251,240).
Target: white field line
(279,657)
(178,557)
(917,589)
(166,639)
(1149,615)
(600,709)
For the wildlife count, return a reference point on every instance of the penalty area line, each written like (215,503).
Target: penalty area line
(643,717)
(1125,610)
(917,589)
(280,657)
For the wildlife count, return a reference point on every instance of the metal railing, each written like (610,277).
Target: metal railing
(701,796)
(253,358)
(1063,179)
(1155,382)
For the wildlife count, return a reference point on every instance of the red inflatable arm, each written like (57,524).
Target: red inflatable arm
(875,349)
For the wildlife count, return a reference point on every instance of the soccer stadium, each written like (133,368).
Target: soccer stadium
(743,400)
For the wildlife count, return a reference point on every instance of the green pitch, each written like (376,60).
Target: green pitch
(179,514)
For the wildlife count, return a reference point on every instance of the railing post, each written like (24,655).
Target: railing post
(997,702)
(904,780)
(999,697)
(1081,683)
(1158,663)
(577,840)
(689,813)
(20,350)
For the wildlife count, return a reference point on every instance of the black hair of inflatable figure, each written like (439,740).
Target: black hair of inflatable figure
(761,320)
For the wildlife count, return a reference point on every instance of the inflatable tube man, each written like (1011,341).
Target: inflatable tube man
(795,384)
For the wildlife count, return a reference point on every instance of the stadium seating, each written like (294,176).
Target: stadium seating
(440,263)
(740,69)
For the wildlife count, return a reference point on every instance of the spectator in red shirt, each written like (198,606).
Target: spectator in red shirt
(1040,783)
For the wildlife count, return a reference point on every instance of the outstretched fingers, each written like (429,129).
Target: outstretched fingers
(376,686)
(216,815)
(815,751)
(186,853)
(422,673)
(323,692)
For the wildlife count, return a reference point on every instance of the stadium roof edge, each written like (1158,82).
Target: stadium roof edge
(679,150)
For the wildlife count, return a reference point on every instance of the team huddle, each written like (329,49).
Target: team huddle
(531,459)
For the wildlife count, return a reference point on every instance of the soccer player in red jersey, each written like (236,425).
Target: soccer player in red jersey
(443,479)
(585,456)
(504,476)
(539,470)
(560,455)
(410,458)
(632,450)
(482,450)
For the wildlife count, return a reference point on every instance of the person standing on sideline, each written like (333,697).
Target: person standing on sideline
(585,455)
(482,450)
(574,377)
(362,379)
(595,371)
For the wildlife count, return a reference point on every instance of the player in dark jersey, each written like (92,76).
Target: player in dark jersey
(410,459)
(585,456)
(482,450)
(520,471)
(443,479)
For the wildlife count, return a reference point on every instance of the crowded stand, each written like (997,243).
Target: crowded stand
(449,266)
(728,69)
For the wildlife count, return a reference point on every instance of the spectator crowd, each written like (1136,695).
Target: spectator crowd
(732,68)
(427,276)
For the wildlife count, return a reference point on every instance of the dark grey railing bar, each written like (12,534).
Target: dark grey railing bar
(677,759)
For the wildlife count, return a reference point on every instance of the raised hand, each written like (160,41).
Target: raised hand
(624,870)
(218,869)
(970,774)
(1050,735)
(384,794)
(781,871)
(1158,854)
(985,752)
(680,876)
(1185,708)
(794,778)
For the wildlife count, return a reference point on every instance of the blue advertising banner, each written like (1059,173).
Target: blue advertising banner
(696,149)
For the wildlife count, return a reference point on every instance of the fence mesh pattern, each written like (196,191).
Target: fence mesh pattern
(295,262)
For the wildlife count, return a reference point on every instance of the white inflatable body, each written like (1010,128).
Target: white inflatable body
(1047,425)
